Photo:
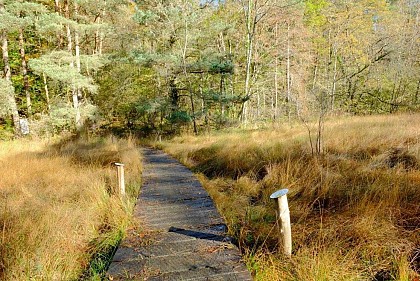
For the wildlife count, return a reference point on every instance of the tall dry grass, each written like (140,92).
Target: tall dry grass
(355,209)
(58,207)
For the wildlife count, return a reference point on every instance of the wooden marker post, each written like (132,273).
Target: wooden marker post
(284,220)
(120,174)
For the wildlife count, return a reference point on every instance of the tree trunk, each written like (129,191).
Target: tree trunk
(222,43)
(101,36)
(249,48)
(222,103)
(70,50)
(77,53)
(97,37)
(47,94)
(288,75)
(314,80)
(264,105)
(258,113)
(25,72)
(184,62)
(5,48)
(101,42)
(416,95)
(203,102)
(69,38)
(57,8)
(276,82)
(320,135)
(8,76)
(334,83)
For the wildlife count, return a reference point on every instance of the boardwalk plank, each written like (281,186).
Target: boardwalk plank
(188,241)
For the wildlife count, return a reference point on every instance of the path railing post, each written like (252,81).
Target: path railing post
(120,175)
(283,217)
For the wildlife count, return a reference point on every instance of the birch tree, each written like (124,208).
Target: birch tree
(254,11)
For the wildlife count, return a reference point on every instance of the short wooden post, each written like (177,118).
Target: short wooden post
(284,220)
(120,175)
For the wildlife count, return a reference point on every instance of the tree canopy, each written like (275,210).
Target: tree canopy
(168,66)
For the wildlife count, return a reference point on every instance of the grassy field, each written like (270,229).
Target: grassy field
(60,213)
(355,209)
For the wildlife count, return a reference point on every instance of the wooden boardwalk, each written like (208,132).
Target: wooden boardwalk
(186,238)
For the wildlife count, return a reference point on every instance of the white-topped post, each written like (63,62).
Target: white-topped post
(284,220)
(120,175)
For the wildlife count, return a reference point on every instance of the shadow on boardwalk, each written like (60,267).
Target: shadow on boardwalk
(188,241)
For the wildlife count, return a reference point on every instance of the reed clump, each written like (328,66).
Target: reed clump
(354,207)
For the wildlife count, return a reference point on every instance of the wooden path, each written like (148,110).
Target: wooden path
(186,238)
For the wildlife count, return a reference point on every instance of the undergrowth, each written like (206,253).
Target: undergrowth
(61,215)
(354,208)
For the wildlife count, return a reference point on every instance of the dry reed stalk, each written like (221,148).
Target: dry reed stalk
(57,201)
(352,207)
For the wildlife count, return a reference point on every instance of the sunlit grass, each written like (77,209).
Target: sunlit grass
(354,209)
(59,206)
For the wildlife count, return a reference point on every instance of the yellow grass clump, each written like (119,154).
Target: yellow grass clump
(355,208)
(58,206)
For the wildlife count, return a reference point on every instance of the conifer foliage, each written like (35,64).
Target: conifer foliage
(51,54)
(170,66)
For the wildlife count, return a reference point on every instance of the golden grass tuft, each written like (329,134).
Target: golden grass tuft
(58,204)
(354,208)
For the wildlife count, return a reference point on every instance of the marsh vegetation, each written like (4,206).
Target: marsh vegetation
(60,213)
(354,208)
